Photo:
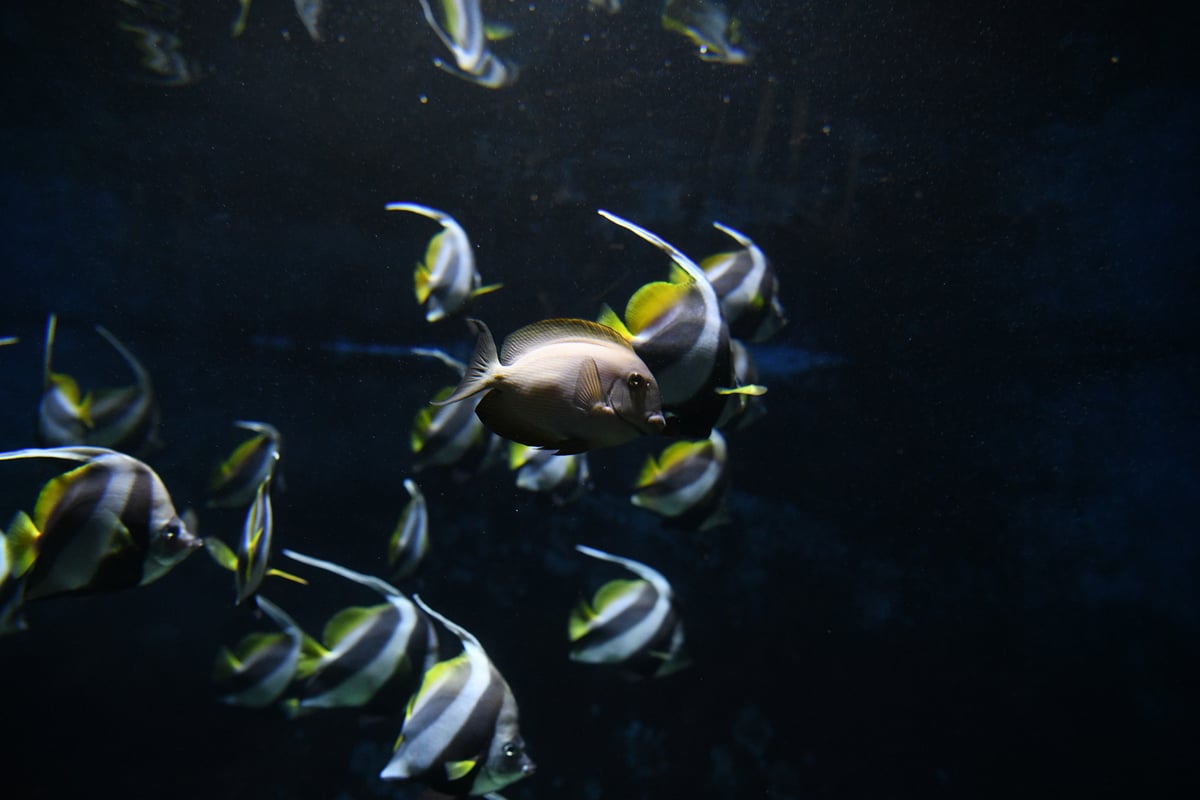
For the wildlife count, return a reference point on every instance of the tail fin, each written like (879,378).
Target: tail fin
(477,376)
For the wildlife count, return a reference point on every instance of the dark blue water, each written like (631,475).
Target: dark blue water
(963,558)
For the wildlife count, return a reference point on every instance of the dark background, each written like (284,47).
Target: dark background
(964,559)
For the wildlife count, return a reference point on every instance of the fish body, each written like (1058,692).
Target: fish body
(461,27)
(678,328)
(741,410)
(106,525)
(366,647)
(748,289)
(707,23)
(234,482)
(493,72)
(309,12)
(563,384)
(410,540)
(447,280)
(563,478)
(122,418)
(629,622)
(461,732)
(687,484)
(162,55)
(259,669)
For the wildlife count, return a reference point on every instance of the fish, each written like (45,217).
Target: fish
(465,34)
(677,327)
(367,648)
(259,669)
(234,481)
(741,410)
(106,525)
(125,418)
(162,57)
(568,385)
(629,622)
(309,12)
(451,436)
(708,25)
(563,478)
(611,6)
(249,564)
(447,280)
(461,730)
(238,26)
(687,484)
(410,540)
(748,289)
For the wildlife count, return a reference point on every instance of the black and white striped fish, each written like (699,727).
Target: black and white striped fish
(677,328)
(235,479)
(451,436)
(249,563)
(746,284)
(259,669)
(447,280)
(461,731)
(563,478)
(741,410)
(687,484)
(410,540)
(108,524)
(123,418)
(633,623)
(367,647)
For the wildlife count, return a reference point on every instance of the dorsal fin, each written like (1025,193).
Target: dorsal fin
(551,331)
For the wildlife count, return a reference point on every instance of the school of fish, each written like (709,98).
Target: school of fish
(672,366)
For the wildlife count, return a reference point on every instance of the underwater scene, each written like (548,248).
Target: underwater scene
(598,399)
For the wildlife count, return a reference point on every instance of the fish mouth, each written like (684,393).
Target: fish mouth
(657,423)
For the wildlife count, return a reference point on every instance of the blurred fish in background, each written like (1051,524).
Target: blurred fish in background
(235,480)
(688,484)
(563,478)
(123,418)
(446,281)
(717,36)
(410,540)
(365,648)
(629,622)
(261,667)
(746,284)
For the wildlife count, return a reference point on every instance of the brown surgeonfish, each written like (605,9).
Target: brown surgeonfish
(568,385)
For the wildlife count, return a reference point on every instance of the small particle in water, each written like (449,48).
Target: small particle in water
(423,98)
(825,129)
(587,37)
(1114,58)
(286,34)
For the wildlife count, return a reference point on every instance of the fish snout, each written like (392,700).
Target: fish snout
(656,422)
(527,765)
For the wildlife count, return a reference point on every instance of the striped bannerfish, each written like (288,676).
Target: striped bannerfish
(741,410)
(249,563)
(465,34)
(748,289)
(367,648)
(108,524)
(124,418)
(564,478)
(451,436)
(235,480)
(447,280)
(461,732)
(707,23)
(676,327)
(259,669)
(633,623)
(410,540)
(687,484)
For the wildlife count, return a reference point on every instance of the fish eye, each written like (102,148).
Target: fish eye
(511,750)
(172,530)
(635,381)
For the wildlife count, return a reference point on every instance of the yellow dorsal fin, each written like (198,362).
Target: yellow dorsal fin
(649,474)
(345,621)
(226,665)
(22,545)
(422,282)
(651,302)
(681,451)
(456,770)
(491,287)
(580,621)
(55,489)
(613,591)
